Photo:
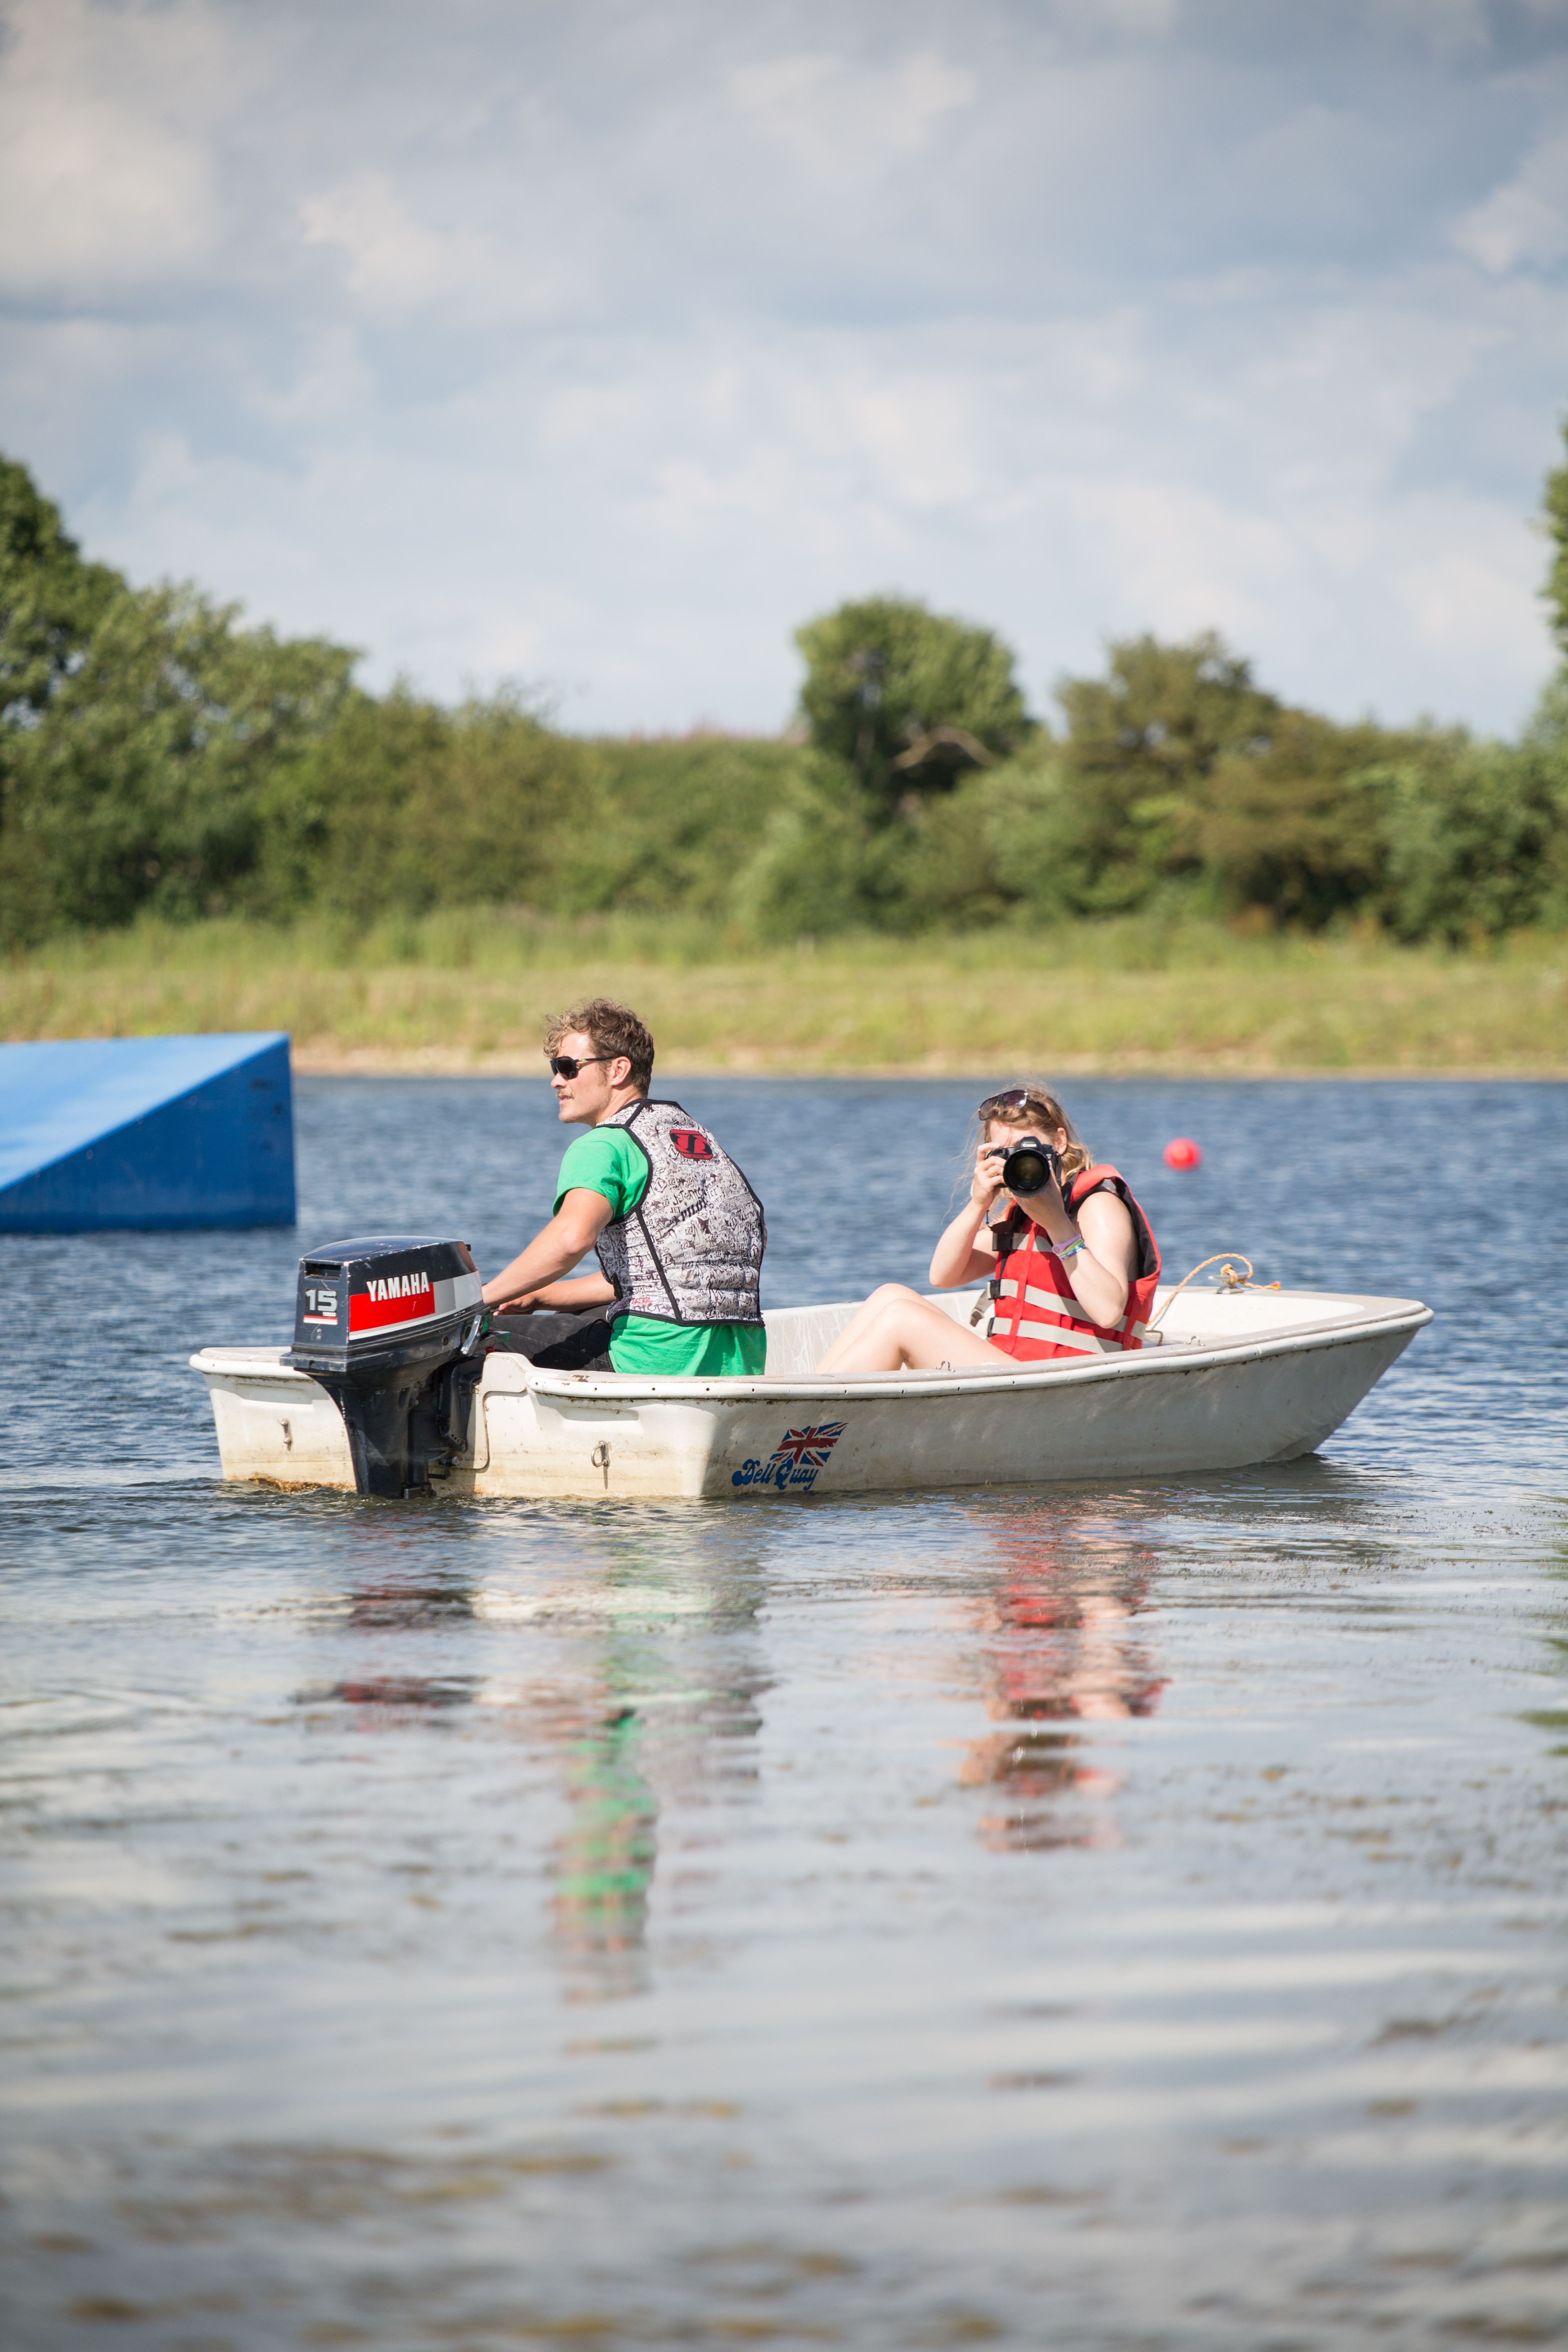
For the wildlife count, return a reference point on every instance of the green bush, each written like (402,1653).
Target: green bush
(807,874)
(158,762)
(906,699)
(143,780)
(50,599)
(1476,836)
(671,826)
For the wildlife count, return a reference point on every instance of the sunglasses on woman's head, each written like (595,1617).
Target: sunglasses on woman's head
(1016,1099)
(566,1066)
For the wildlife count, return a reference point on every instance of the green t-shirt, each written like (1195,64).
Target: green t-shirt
(606,1160)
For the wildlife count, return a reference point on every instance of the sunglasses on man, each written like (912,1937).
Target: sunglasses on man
(566,1066)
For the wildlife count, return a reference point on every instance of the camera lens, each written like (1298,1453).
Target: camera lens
(1027,1170)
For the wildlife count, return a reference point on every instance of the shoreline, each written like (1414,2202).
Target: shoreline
(433,1062)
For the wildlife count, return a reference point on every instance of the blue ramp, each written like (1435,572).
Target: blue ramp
(155,1132)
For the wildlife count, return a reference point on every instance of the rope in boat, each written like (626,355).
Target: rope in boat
(1230,1279)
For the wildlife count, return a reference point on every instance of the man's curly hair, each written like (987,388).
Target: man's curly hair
(614,1028)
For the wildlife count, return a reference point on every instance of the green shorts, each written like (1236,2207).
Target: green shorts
(687,1352)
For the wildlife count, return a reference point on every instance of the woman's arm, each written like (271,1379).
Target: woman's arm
(961,1256)
(1101,1272)
(964,1252)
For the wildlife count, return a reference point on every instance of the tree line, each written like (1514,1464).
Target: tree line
(158,756)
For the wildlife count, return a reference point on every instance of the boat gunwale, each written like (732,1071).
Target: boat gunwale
(1175,1357)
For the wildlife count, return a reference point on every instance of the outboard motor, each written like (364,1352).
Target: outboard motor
(387,1326)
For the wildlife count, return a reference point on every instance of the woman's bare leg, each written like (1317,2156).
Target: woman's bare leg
(896,1327)
(862,1320)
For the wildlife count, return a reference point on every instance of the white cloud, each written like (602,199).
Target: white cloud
(1523,224)
(608,343)
(106,171)
(395,264)
(1471,601)
(842,123)
(392,261)
(1141,15)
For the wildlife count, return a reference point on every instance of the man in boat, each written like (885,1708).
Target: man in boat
(679,1233)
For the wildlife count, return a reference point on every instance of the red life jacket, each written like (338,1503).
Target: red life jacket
(1036,1314)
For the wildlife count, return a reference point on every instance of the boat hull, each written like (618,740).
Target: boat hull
(1257,1381)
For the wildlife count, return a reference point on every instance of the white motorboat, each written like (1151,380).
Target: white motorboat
(1240,1376)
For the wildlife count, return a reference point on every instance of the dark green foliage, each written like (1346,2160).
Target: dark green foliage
(336,831)
(1138,768)
(1476,834)
(405,806)
(907,699)
(50,599)
(1180,782)
(902,705)
(154,755)
(808,870)
(142,780)
(1555,507)
(668,825)
(1164,715)
(1179,778)
(1287,826)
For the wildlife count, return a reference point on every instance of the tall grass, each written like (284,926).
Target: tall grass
(469,990)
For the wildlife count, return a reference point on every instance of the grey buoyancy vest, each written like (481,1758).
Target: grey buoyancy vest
(692,1250)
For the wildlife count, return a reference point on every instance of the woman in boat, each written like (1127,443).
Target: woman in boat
(1071,1266)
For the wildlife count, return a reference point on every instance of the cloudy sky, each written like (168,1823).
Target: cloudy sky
(599,342)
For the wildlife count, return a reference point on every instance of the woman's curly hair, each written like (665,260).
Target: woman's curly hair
(1039,1107)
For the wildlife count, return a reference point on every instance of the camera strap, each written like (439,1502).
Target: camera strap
(1004,1233)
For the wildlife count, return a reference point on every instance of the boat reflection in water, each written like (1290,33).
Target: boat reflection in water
(1060,1646)
(605,1703)
(605,1859)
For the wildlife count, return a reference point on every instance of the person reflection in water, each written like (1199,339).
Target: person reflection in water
(1060,1650)
(605,1860)
(1071,1260)
(617,1771)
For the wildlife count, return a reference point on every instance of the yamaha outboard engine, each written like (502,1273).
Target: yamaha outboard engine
(385,1326)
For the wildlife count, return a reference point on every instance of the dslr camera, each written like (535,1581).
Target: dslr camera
(1027,1166)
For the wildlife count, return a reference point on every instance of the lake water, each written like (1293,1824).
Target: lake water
(1115,1916)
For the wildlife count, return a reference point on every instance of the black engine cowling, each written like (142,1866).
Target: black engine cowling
(388,1326)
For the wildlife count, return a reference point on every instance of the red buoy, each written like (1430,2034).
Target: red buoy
(1183,1153)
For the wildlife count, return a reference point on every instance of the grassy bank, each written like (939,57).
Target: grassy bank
(454,992)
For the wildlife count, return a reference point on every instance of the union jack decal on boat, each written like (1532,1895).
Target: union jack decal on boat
(799,1455)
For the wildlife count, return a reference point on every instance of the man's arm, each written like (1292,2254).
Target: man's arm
(563,1297)
(570,1236)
